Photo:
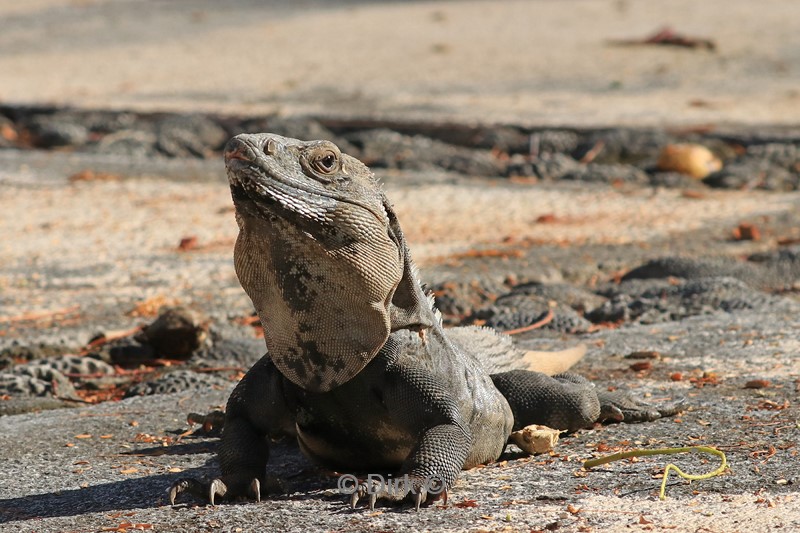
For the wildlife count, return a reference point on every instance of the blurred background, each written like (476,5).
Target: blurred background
(528,62)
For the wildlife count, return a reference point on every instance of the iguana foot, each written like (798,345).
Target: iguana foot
(621,407)
(418,490)
(210,491)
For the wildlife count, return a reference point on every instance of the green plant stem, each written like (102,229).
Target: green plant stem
(665,451)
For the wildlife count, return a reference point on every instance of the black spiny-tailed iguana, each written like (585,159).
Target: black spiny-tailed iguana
(359,368)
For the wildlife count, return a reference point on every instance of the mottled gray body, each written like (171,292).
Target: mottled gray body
(359,368)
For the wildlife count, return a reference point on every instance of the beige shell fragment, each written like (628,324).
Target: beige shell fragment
(691,159)
(535,439)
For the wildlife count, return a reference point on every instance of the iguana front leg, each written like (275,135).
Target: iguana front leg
(570,402)
(420,403)
(256,409)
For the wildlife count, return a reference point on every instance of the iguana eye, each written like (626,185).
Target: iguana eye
(326,163)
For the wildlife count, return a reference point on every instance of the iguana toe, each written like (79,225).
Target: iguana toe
(621,407)
(419,498)
(183,485)
(216,488)
(373,499)
(673,408)
(254,490)
(395,492)
(207,491)
(369,488)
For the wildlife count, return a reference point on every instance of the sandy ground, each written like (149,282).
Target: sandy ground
(96,249)
(119,240)
(532,62)
(535,62)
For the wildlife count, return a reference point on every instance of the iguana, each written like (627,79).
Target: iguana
(359,367)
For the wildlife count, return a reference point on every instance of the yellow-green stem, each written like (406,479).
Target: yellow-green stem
(665,451)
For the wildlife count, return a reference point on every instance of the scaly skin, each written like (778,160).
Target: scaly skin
(359,368)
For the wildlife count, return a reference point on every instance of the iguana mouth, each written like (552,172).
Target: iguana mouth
(248,165)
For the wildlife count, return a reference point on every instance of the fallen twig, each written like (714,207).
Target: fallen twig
(666,451)
(543,322)
(39,315)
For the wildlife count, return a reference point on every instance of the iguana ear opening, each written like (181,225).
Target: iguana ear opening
(409,307)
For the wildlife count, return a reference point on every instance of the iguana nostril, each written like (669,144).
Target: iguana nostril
(270,147)
(235,149)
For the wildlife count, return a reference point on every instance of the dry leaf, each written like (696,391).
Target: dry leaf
(746,232)
(466,503)
(535,439)
(188,243)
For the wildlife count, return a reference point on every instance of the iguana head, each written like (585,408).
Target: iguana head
(321,255)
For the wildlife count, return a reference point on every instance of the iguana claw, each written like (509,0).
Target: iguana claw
(419,498)
(375,490)
(216,488)
(363,490)
(373,498)
(182,485)
(254,490)
(212,491)
(620,407)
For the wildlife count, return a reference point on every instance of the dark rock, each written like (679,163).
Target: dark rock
(243,352)
(190,136)
(135,143)
(503,138)
(524,307)
(175,334)
(693,268)
(73,364)
(673,180)
(774,167)
(17,353)
(49,132)
(389,149)
(777,270)
(604,173)
(36,381)
(458,299)
(126,352)
(546,166)
(178,381)
(553,142)
(627,146)
(577,298)
(753,175)
(658,300)
(784,155)
(305,129)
